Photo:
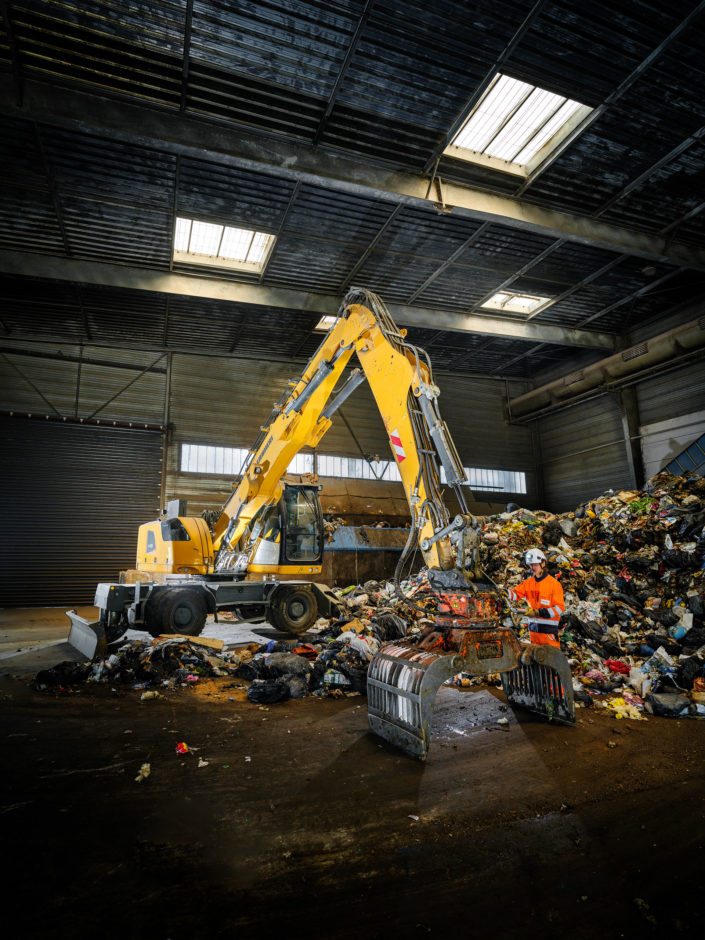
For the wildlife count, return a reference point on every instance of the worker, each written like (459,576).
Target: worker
(544,595)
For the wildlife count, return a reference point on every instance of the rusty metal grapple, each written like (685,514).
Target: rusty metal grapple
(467,636)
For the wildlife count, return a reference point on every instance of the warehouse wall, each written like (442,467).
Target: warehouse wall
(583,453)
(77,382)
(672,415)
(116,480)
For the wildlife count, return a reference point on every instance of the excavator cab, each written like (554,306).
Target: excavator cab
(289,535)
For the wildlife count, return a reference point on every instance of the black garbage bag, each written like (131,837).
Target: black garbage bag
(694,639)
(552,533)
(268,691)
(284,665)
(590,630)
(65,673)
(664,616)
(700,545)
(608,649)
(674,558)
(627,599)
(281,646)
(654,640)
(695,605)
(317,673)
(667,704)
(688,670)
(298,687)
(391,626)
(637,562)
(356,675)
(253,669)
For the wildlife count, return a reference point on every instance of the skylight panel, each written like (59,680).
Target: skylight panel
(515,126)
(221,246)
(525,305)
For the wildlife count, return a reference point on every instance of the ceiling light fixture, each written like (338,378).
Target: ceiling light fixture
(526,305)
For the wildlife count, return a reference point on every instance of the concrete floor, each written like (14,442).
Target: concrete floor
(293,820)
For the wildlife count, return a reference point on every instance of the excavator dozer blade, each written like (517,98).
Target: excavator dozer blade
(402,682)
(88,638)
(542,683)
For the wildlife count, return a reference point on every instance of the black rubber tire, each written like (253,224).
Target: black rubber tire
(294,609)
(183,610)
(153,612)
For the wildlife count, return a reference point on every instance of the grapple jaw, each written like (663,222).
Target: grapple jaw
(404,676)
(542,683)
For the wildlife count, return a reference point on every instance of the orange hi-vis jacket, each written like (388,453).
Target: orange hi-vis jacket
(545,596)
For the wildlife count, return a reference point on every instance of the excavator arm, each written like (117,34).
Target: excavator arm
(400,378)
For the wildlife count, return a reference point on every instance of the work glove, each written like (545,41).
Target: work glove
(543,612)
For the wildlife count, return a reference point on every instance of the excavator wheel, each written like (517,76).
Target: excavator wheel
(294,609)
(183,610)
(153,612)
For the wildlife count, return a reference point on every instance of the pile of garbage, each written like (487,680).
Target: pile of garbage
(168,663)
(632,566)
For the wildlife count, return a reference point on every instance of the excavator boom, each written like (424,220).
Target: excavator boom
(468,634)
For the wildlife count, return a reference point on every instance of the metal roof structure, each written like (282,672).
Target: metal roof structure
(325,123)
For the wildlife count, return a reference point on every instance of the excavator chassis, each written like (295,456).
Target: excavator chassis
(404,677)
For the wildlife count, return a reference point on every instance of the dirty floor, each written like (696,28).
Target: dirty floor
(294,821)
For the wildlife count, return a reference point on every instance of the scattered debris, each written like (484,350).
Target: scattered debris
(145,771)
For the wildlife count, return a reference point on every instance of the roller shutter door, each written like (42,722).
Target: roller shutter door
(72,500)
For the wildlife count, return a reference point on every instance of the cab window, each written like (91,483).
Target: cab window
(151,542)
(173,530)
(301,525)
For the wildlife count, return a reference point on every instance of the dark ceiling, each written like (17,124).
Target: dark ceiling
(324,123)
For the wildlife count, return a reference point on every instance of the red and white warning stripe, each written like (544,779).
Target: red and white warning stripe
(397,446)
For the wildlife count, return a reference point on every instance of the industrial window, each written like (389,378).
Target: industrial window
(499,481)
(515,126)
(199,458)
(526,305)
(357,468)
(325,323)
(229,461)
(221,246)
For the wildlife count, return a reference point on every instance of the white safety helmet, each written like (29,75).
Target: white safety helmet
(534,556)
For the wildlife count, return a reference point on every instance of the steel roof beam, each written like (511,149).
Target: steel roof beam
(234,146)
(28,264)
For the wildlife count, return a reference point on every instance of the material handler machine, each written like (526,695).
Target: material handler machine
(268,528)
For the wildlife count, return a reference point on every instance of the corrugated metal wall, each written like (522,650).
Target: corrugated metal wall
(671,414)
(673,394)
(583,453)
(72,499)
(78,382)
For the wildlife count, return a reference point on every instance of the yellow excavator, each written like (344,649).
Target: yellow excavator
(269,528)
